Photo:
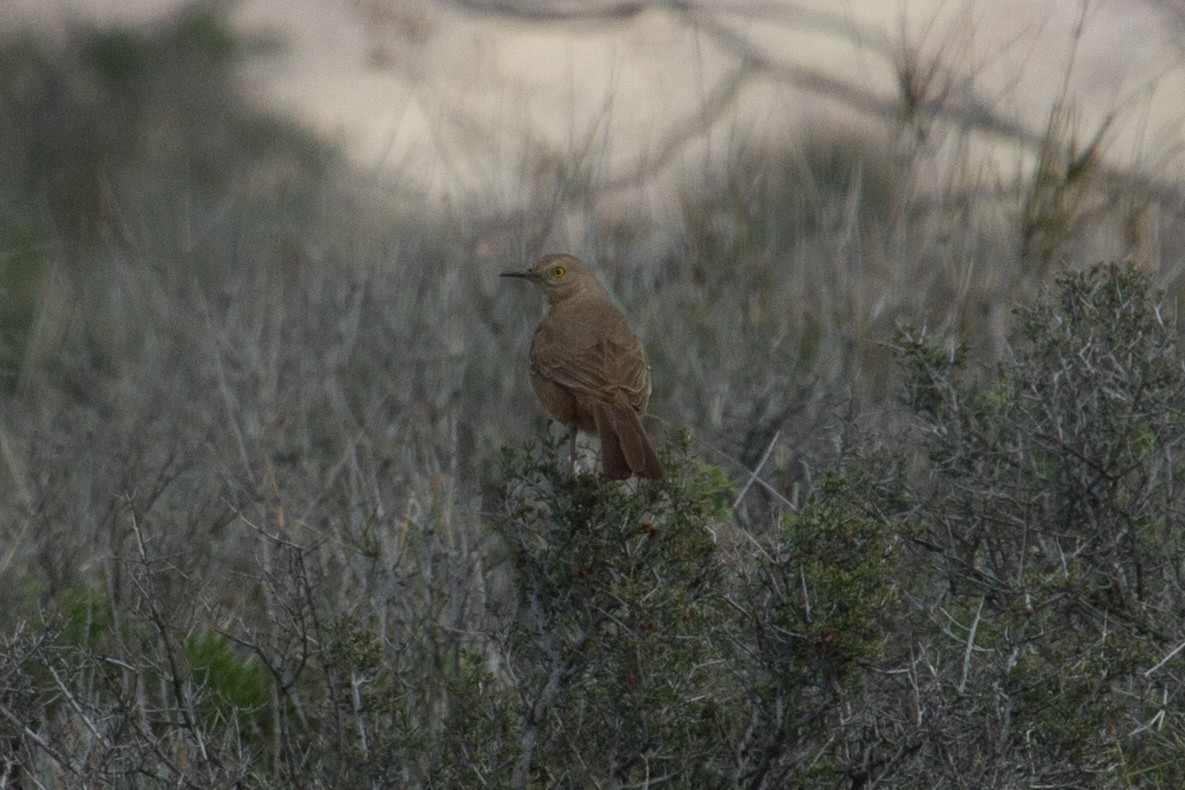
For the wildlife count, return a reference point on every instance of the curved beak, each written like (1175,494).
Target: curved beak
(526,275)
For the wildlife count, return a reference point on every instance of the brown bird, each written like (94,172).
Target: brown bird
(588,368)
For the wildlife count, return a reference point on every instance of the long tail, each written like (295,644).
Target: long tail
(625,449)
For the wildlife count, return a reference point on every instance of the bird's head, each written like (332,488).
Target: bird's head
(558,276)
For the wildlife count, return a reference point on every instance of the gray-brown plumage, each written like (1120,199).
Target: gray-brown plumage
(588,368)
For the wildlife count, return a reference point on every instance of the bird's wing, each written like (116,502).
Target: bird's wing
(593,361)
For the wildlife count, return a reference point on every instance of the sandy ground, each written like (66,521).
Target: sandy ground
(450,101)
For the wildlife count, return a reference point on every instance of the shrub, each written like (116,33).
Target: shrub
(1051,510)
(817,605)
(611,666)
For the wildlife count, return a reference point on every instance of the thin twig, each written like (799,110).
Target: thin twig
(37,739)
(753,476)
(970,647)
(1165,660)
(70,698)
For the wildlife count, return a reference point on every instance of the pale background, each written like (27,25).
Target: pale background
(449,102)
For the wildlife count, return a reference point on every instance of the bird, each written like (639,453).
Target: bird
(588,368)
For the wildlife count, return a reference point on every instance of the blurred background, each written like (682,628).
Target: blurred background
(250,238)
(774,185)
(449,95)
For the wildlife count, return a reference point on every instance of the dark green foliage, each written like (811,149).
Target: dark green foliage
(612,649)
(236,690)
(834,574)
(1061,472)
(818,603)
(84,620)
(1052,511)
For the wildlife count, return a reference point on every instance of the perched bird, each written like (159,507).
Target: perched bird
(588,368)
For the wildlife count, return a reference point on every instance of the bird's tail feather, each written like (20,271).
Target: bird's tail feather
(625,449)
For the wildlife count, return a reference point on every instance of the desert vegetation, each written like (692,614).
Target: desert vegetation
(277,508)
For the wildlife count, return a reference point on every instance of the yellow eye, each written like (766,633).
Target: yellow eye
(558,272)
